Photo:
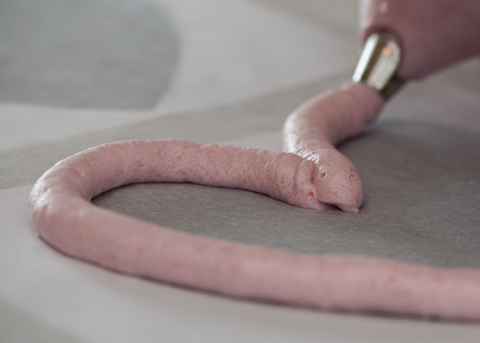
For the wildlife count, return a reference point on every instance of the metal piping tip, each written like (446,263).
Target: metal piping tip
(379,62)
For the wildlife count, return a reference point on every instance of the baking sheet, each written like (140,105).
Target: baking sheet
(422,203)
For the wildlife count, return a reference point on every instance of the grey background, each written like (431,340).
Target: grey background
(118,54)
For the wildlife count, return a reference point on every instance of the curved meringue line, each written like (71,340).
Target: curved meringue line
(64,217)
